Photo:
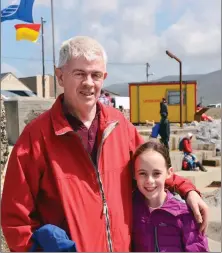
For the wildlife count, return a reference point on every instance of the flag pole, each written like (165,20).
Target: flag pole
(53,47)
(43,58)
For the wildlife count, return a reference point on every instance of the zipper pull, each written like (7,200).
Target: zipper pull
(104,208)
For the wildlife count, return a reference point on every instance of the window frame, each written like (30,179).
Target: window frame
(178,95)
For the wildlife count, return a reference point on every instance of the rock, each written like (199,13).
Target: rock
(209,132)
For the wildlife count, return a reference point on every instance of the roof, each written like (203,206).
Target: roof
(164,82)
(5,74)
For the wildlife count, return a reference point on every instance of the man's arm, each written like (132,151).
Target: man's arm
(19,193)
(180,185)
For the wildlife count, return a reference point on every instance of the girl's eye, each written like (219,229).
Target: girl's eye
(142,173)
(156,174)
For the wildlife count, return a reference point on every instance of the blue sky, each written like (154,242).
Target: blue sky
(132,32)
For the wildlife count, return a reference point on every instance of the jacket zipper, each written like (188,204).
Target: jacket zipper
(156,240)
(106,133)
(156,244)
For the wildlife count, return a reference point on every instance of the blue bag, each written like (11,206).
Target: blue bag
(155,130)
(51,238)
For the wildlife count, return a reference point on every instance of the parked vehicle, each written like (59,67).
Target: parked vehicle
(7,94)
(214,105)
(24,93)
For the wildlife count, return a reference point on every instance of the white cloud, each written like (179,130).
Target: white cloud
(99,6)
(190,37)
(64,4)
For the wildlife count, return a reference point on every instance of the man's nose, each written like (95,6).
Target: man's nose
(88,80)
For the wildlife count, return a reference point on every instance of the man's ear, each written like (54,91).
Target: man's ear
(59,75)
(169,172)
(105,75)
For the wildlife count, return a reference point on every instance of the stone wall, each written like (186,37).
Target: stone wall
(4,139)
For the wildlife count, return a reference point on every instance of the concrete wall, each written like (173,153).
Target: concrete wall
(30,82)
(19,111)
(35,84)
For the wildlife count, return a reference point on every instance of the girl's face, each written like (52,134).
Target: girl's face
(151,173)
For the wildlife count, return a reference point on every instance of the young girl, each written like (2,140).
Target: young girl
(162,222)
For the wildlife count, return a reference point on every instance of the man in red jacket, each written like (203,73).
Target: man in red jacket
(71,166)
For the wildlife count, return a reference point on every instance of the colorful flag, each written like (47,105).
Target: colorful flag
(21,11)
(27,32)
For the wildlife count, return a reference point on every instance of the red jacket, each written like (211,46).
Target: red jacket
(187,146)
(51,180)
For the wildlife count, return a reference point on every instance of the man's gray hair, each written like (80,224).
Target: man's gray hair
(79,46)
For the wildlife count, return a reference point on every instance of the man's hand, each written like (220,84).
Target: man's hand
(199,208)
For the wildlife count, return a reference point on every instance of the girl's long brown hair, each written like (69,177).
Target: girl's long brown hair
(154,146)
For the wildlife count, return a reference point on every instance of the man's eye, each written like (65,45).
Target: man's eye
(97,75)
(79,74)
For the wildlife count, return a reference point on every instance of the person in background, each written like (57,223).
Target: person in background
(164,130)
(108,96)
(71,166)
(113,101)
(103,98)
(121,108)
(190,161)
(163,107)
(162,221)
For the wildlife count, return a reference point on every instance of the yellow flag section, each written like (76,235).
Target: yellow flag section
(27,32)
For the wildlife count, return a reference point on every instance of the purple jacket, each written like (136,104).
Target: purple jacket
(171,228)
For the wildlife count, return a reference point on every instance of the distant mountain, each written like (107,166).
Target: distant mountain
(209,86)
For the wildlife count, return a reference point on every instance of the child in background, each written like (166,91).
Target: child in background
(162,222)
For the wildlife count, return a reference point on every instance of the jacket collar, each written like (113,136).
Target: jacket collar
(61,125)
(173,203)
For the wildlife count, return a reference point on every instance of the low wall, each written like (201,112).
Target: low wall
(20,111)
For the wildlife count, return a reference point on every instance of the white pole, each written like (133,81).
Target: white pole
(53,47)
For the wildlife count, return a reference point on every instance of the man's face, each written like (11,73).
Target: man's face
(82,81)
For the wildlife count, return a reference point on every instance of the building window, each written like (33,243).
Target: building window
(174,97)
